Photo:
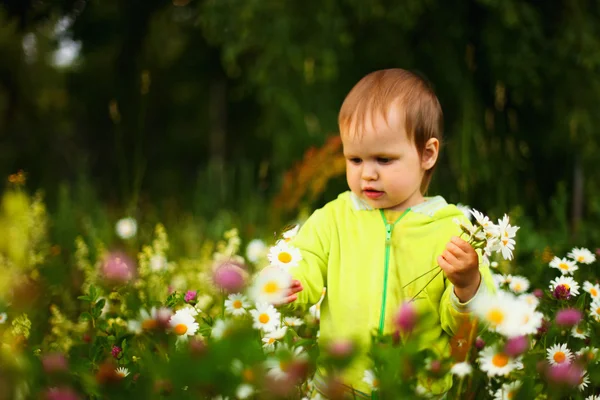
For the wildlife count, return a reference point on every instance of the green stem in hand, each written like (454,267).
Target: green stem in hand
(427,284)
(420,276)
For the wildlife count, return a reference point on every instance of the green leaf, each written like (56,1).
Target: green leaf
(93,293)
(98,308)
(85,316)
(84,298)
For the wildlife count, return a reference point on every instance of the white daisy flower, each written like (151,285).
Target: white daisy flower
(507,391)
(506,244)
(244,391)
(593,397)
(266,317)
(220,329)
(530,299)
(278,368)
(564,265)
(559,354)
(519,284)
(567,282)
(121,372)
(147,321)
(466,210)
(315,311)
(579,332)
(582,255)
(184,324)
(3,318)
(595,310)
(482,220)
(236,304)
(370,379)
(593,290)
(589,353)
(284,255)
(290,233)
(494,362)
(271,338)
(256,250)
(292,321)
(461,369)
(126,228)
(583,382)
(271,286)
(531,321)
(506,314)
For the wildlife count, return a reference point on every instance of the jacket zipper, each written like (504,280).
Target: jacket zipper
(388,241)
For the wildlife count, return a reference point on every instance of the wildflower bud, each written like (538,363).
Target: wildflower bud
(539,293)
(561,292)
(54,362)
(163,315)
(341,348)
(566,374)
(568,317)
(63,393)
(435,366)
(118,268)
(479,343)
(516,346)
(406,317)
(230,277)
(189,296)
(116,351)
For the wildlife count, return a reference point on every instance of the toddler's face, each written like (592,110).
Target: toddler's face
(383,166)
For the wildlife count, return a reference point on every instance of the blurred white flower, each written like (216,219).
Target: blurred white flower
(236,304)
(508,391)
(593,290)
(126,228)
(461,369)
(220,329)
(519,284)
(579,332)
(271,285)
(244,391)
(370,379)
(466,210)
(3,318)
(158,262)
(121,372)
(256,250)
(582,255)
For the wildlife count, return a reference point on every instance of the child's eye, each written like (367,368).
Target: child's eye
(384,160)
(355,160)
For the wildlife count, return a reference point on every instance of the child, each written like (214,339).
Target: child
(373,240)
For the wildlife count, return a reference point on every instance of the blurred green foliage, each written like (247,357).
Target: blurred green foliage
(198,108)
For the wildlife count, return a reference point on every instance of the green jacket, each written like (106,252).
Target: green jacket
(343,247)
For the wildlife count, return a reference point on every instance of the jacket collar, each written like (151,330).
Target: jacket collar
(428,207)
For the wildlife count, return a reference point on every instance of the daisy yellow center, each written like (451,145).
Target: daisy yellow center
(559,357)
(375,382)
(180,329)
(526,319)
(495,316)
(237,304)
(149,324)
(121,374)
(248,375)
(263,318)
(510,395)
(579,329)
(505,241)
(594,292)
(271,340)
(598,310)
(517,287)
(271,287)
(500,360)
(566,286)
(590,355)
(581,258)
(284,365)
(284,257)
(563,266)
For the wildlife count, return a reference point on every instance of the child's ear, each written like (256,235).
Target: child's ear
(430,153)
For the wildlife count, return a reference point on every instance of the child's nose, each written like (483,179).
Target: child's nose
(369,172)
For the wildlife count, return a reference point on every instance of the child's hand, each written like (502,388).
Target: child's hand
(461,265)
(291,294)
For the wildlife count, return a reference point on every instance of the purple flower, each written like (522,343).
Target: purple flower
(190,295)
(54,362)
(561,292)
(230,276)
(479,343)
(118,268)
(516,346)
(406,317)
(61,394)
(568,317)
(116,351)
(539,293)
(569,374)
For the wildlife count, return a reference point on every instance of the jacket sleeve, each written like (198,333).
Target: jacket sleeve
(313,242)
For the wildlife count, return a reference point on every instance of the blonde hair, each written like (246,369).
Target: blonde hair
(377,92)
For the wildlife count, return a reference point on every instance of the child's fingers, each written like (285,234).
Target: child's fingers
(455,250)
(461,243)
(444,265)
(450,258)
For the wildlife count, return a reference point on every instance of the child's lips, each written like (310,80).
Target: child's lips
(372,193)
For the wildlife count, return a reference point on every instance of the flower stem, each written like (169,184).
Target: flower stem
(420,276)
(427,284)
